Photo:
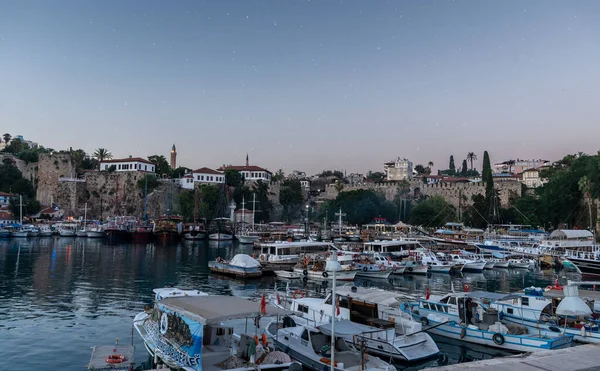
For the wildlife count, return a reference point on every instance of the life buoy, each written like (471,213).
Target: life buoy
(498,339)
(463,333)
(298,293)
(115,358)
(325,274)
(364,269)
(304,279)
(164,323)
(305,272)
(424,321)
(410,269)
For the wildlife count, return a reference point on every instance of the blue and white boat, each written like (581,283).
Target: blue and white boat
(242,265)
(461,316)
(186,330)
(537,309)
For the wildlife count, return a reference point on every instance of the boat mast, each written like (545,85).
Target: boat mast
(21,210)
(340,214)
(253,209)
(84,215)
(243,210)
(195,204)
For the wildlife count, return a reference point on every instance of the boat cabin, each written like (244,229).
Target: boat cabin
(290,250)
(396,247)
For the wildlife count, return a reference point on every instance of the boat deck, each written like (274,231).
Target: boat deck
(577,358)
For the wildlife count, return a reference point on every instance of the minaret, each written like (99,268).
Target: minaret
(173,157)
(247,162)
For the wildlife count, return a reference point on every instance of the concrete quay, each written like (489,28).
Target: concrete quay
(578,358)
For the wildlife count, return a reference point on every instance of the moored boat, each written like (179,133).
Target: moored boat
(241,265)
(168,228)
(288,275)
(188,330)
(220,230)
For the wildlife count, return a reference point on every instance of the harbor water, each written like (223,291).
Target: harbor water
(61,296)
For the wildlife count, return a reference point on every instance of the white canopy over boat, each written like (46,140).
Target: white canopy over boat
(372,295)
(571,234)
(572,305)
(244,261)
(215,309)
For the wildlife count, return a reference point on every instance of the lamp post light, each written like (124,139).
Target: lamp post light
(333,266)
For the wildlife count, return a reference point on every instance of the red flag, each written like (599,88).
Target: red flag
(337,306)
(278,299)
(263,305)
(594,287)
(556,281)
(467,287)
(427,293)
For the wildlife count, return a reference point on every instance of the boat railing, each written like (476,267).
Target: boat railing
(582,254)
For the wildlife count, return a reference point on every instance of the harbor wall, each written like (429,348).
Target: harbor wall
(454,193)
(101,190)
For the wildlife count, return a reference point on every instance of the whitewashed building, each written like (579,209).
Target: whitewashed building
(250,173)
(208,176)
(531,178)
(187,181)
(128,164)
(400,169)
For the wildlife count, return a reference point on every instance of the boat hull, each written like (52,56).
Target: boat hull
(317,275)
(220,237)
(440,268)
(474,267)
(247,239)
(194,236)
(416,269)
(233,270)
(23,234)
(288,275)
(95,234)
(586,266)
(46,234)
(81,234)
(373,274)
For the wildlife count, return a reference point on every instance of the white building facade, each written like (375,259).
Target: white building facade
(208,176)
(251,173)
(400,169)
(128,164)
(532,179)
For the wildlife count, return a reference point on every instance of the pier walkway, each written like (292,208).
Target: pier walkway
(578,358)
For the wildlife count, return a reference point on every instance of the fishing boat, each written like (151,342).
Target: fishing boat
(364,264)
(67,230)
(461,316)
(45,230)
(220,230)
(95,231)
(520,263)
(316,270)
(187,329)
(539,310)
(586,261)
(194,231)
(83,231)
(241,265)
(468,264)
(357,314)
(168,228)
(433,262)
(288,275)
(120,228)
(309,344)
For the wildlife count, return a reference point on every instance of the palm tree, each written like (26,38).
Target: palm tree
(102,154)
(7,138)
(471,156)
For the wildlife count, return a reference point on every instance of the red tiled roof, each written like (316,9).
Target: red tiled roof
(48,210)
(6,216)
(243,168)
(4,194)
(205,170)
(129,159)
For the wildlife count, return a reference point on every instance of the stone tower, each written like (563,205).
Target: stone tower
(173,157)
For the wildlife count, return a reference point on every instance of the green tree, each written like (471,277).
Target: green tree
(331,173)
(474,215)
(278,176)
(30,206)
(432,211)
(471,156)
(464,169)
(360,206)
(451,166)
(420,169)
(486,169)
(16,146)
(179,172)
(234,178)
(161,165)
(291,199)
(376,177)
(186,204)
(209,197)
(102,154)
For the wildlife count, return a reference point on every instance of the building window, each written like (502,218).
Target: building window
(119,166)
(145,167)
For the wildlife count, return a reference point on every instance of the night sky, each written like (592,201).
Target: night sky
(304,85)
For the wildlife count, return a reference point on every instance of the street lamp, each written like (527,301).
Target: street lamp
(306,220)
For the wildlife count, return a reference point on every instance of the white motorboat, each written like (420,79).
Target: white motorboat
(318,273)
(411,344)
(455,316)
(431,260)
(467,263)
(365,264)
(241,265)
(310,346)
(20,233)
(187,330)
(415,267)
(81,232)
(288,275)
(45,231)
(95,232)
(519,263)
(247,238)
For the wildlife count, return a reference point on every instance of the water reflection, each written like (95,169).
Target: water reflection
(60,294)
